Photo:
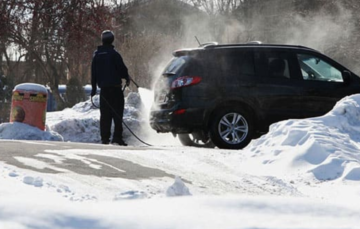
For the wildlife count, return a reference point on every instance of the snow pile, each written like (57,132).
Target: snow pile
(21,131)
(178,188)
(81,123)
(324,148)
(78,124)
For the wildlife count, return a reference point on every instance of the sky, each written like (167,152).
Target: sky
(302,174)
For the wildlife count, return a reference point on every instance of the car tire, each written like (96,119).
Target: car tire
(190,140)
(231,128)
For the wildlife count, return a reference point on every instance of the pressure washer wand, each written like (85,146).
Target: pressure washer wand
(137,86)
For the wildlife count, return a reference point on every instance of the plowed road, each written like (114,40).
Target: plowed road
(44,157)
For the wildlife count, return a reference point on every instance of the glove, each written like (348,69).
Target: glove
(127,82)
(93,93)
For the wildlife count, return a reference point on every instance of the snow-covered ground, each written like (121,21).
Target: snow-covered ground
(302,174)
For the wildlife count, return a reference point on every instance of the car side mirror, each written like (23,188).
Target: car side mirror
(346,76)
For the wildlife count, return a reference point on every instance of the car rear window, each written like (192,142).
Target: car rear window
(175,65)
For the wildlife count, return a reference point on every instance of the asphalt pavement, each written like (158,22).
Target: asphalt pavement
(18,152)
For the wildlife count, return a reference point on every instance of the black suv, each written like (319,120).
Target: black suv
(227,94)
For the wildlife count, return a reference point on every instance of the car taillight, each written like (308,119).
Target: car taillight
(179,112)
(185,81)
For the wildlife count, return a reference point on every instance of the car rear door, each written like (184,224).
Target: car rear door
(278,92)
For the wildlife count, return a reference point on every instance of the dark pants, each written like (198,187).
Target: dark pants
(111,108)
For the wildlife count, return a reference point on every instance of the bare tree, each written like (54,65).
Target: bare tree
(214,7)
(56,38)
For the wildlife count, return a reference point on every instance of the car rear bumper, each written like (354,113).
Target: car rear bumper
(164,121)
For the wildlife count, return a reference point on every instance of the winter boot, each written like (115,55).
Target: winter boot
(119,142)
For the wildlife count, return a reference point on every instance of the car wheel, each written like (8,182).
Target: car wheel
(191,140)
(231,128)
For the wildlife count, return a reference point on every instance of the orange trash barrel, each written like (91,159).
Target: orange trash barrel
(28,105)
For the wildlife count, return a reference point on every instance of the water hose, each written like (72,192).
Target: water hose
(119,115)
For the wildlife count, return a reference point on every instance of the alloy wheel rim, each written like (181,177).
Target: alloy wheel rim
(233,128)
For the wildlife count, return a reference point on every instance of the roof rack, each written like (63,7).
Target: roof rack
(212,43)
(252,44)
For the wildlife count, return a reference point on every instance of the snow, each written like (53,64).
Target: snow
(303,173)
(31,87)
(81,122)
(21,131)
(178,188)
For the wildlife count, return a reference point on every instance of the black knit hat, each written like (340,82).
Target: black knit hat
(107,37)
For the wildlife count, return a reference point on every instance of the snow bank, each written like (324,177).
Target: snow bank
(21,131)
(325,147)
(81,123)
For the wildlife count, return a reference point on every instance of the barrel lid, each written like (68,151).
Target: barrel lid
(31,87)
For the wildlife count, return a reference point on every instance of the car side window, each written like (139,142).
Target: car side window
(314,68)
(239,64)
(277,65)
(231,66)
(246,64)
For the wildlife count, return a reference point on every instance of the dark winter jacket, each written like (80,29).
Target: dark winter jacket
(107,68)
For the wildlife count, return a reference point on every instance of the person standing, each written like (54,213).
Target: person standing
(107,71)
